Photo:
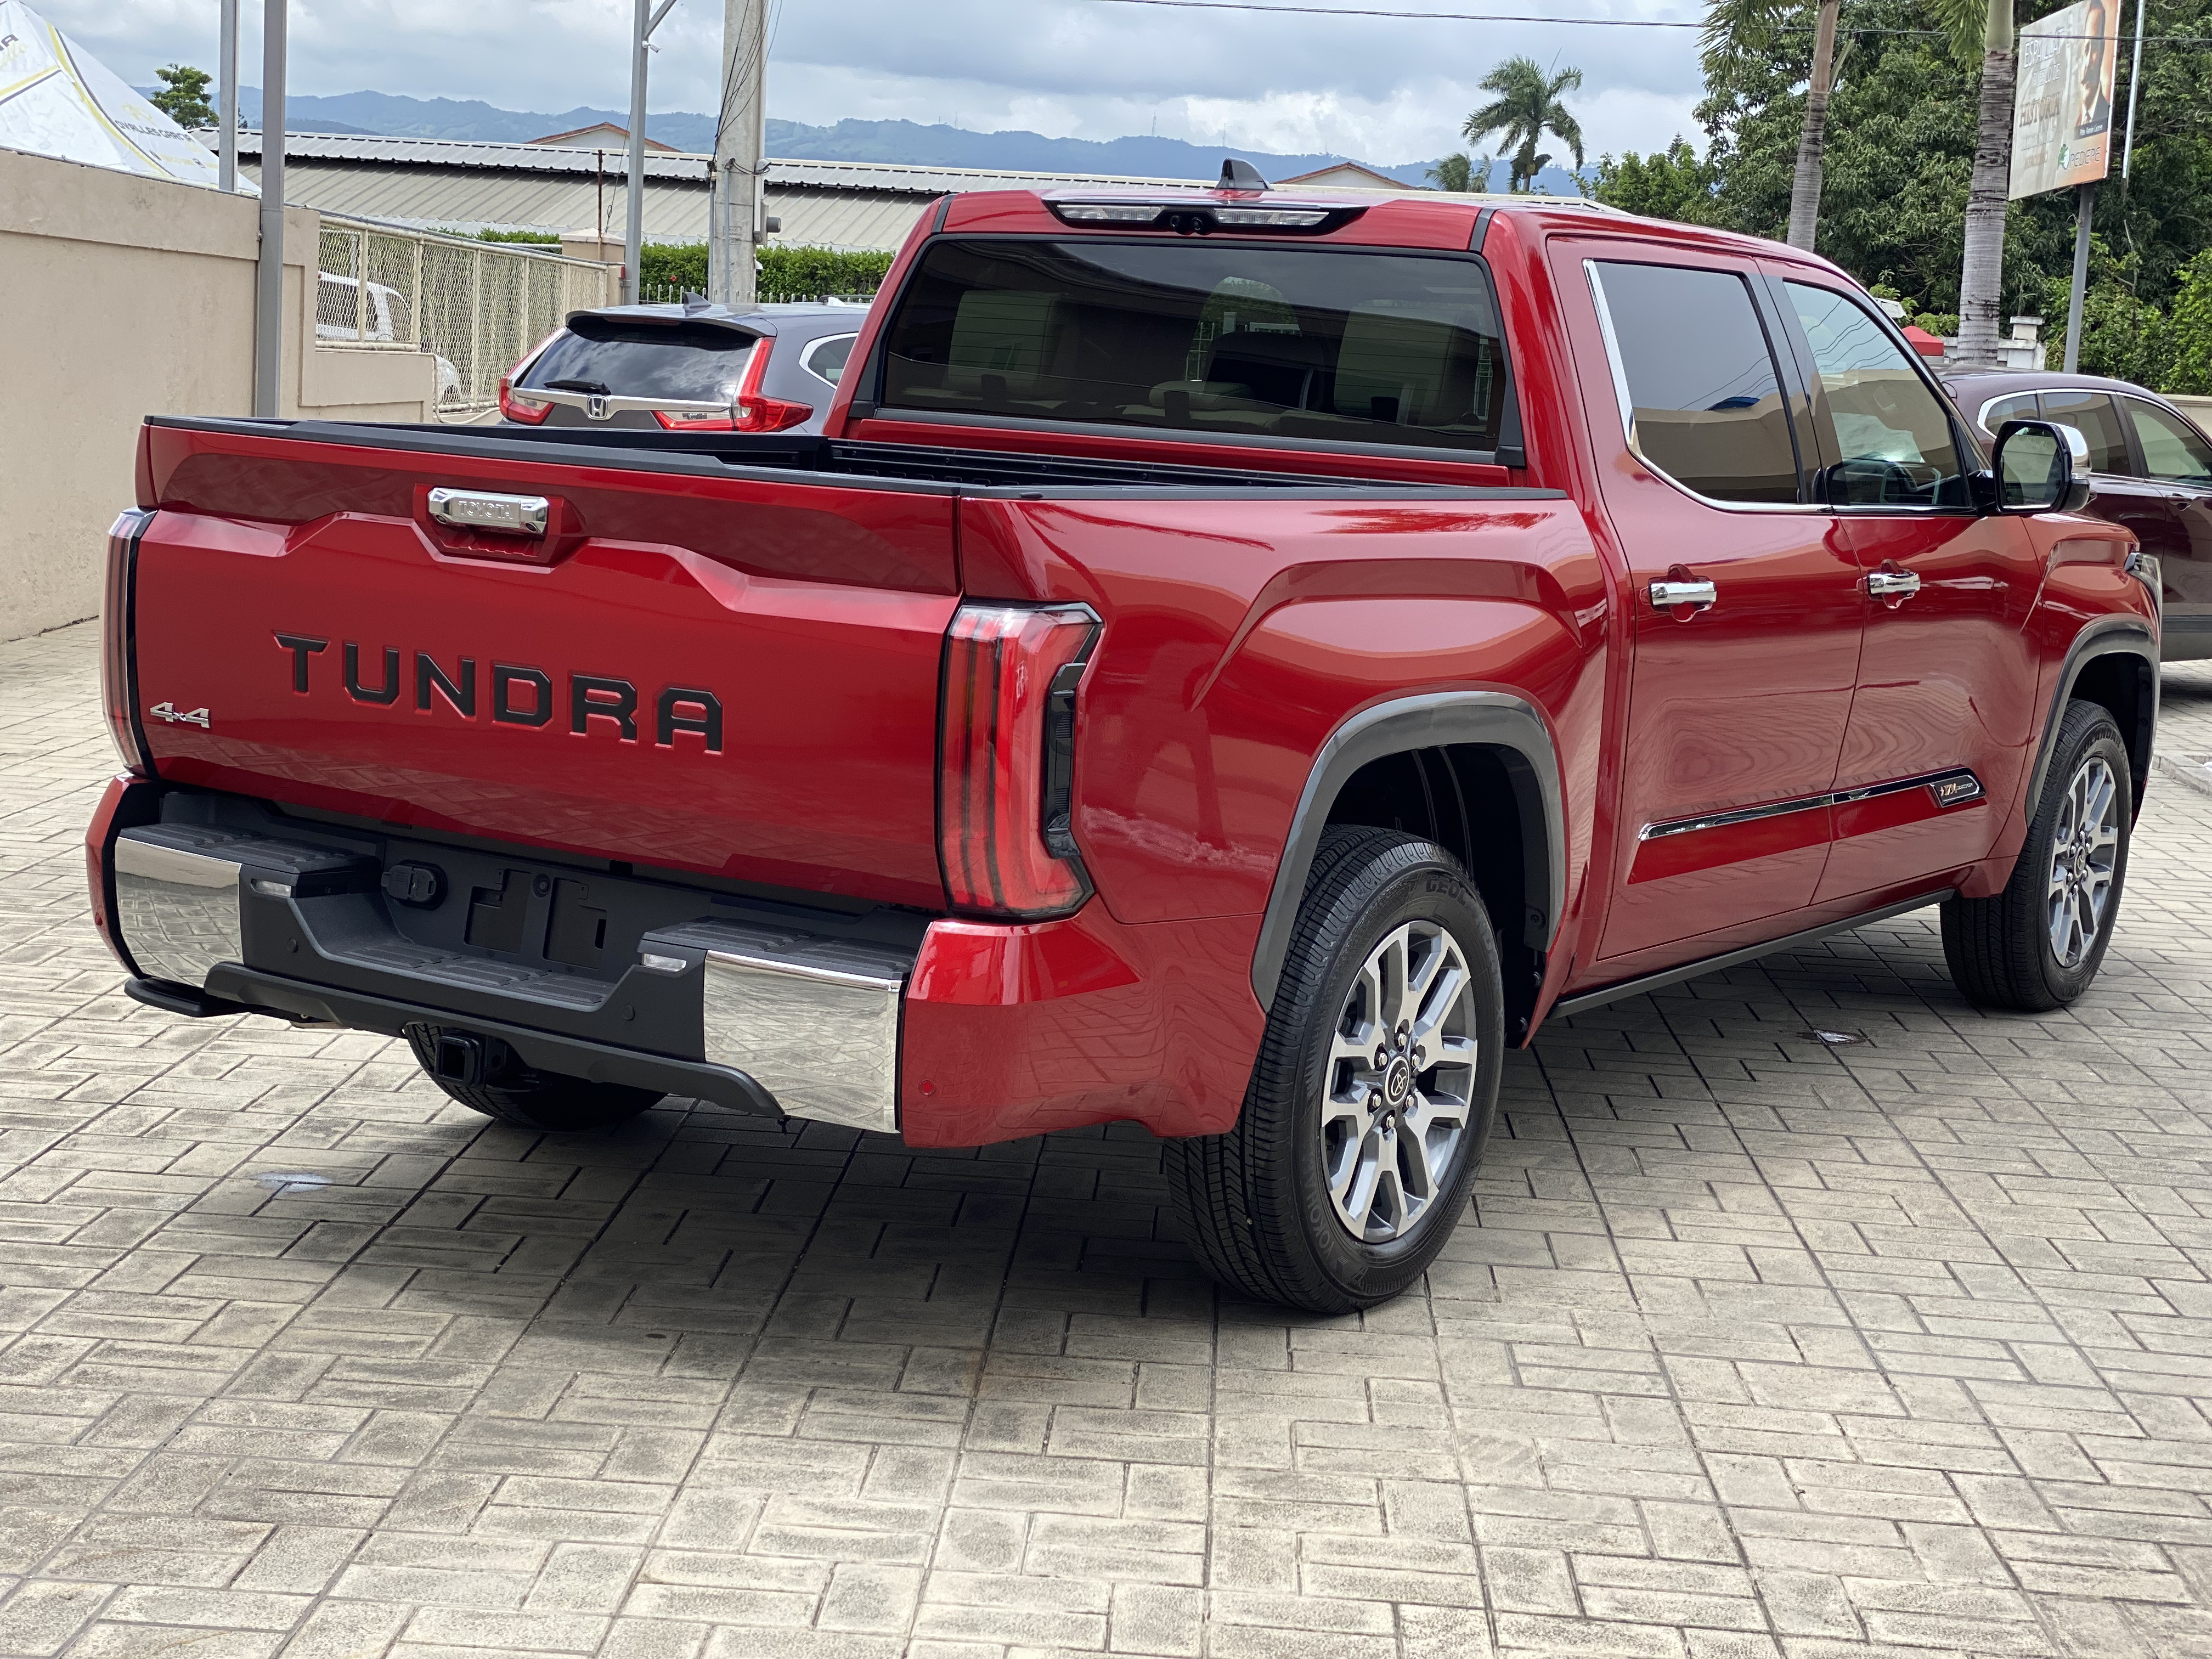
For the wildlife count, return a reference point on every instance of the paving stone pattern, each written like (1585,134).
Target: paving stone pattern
(1753,1345)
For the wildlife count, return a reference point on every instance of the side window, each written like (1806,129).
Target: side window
(2172,450)
(825,359)
(2018,407)
(1892,436)
(1698,390)
(2093,415)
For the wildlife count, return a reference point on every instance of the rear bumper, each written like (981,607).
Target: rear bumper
(951,1033)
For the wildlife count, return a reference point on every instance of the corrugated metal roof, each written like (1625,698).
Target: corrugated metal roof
(680,165)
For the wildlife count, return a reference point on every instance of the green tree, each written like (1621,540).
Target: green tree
(1672,184)
(2190,330)
(183,97)
(1457,172)
(1526,107)
(1737,28)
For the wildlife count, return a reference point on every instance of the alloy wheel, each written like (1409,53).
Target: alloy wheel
(1400,1072)
(2084,848)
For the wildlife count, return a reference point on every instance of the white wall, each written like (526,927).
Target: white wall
(122,297)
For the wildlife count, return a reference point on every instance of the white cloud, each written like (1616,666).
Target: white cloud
(1385,90)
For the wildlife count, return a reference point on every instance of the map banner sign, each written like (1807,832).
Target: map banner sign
(2061,113)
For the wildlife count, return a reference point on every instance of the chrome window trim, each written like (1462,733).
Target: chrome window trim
(1931,781)
(1628,404)
(1982,415)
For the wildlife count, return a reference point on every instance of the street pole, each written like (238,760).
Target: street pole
(225,137)
(268,277)
(740,136)
(634,240)
(2134,81)
(2080,278)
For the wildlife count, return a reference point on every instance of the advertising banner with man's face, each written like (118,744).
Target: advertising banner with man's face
(2062,117)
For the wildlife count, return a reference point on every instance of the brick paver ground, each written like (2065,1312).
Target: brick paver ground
(1752,1345)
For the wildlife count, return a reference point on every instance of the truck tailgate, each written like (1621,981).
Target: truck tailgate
(727,674)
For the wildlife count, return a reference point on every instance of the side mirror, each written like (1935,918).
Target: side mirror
(2040,467)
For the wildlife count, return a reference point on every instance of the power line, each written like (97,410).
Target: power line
(1583,23)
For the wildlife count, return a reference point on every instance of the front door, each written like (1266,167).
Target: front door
(1947,682)
(1747,612)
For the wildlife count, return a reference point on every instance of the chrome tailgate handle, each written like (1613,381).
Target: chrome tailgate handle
(1693,592)
(477,510)
(1892,584)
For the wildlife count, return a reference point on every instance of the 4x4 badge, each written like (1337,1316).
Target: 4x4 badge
(168,711)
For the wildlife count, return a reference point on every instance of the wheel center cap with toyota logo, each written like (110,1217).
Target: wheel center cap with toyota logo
(1398,1082)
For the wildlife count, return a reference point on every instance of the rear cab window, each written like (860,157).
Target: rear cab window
(1309,345)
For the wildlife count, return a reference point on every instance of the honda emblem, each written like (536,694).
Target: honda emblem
(595,407)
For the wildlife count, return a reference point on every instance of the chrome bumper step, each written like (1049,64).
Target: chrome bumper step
(808,1015)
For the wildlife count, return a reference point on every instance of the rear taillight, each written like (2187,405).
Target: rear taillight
(770,414)
(1006,782)
(118,692)
(516,407)
(756,413)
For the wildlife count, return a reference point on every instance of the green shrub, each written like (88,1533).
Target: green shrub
(821,270)
(2189,330)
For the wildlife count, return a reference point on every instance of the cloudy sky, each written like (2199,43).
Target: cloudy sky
(1386,90)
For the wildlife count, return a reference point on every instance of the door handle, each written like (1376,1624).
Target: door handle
(1666,593)
(1892,584)
(481,509)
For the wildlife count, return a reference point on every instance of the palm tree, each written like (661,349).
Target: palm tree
(1455,173)
(1984,28)
(1750,28)
(1526,107)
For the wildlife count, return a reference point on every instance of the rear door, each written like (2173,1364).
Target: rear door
(1947,681)
(2177,462)
(1737,706)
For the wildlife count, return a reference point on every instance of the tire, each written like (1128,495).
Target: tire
(1312,1201)
(505,1089)
(2005,951)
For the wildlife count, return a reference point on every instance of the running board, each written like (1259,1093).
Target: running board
(1583,1001)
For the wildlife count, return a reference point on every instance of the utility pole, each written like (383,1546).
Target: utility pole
(2084,206)
(740,134)
(2135,81)
(647,20)
(225,137)
(268,277)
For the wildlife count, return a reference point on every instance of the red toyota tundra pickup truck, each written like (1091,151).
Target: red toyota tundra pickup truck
(1234,663)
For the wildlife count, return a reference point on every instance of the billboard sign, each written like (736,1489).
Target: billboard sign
(2061,113)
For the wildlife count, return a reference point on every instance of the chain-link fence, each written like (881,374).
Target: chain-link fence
(476,306)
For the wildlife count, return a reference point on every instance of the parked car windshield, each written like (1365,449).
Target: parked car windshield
(705,373)
(1223,338)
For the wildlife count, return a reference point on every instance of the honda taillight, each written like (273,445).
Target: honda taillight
(770,414)
(756,413)
(516,407)
(118,675)
(1006,783)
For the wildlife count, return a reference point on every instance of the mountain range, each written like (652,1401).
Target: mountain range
(396,115)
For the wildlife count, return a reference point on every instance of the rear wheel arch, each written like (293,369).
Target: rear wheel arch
(1474,772)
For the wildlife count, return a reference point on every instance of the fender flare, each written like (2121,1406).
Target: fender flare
(2112,636)
(1493,718)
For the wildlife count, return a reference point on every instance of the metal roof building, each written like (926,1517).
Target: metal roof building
(859,205)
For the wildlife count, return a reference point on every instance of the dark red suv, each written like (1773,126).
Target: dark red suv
(2149,468)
